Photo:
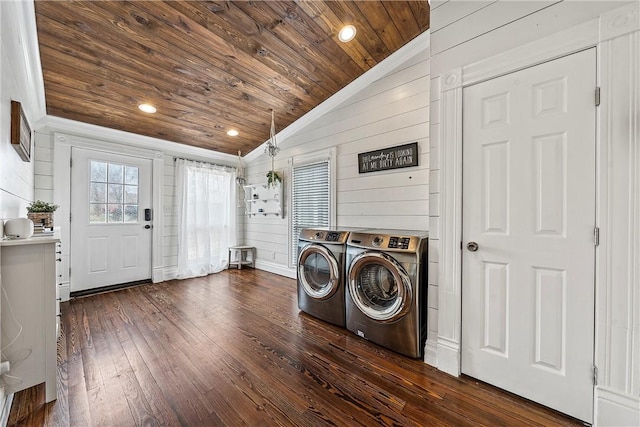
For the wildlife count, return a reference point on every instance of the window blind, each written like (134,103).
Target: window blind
(310,200)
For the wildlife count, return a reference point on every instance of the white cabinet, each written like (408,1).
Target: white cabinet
(263,200)
(28,311)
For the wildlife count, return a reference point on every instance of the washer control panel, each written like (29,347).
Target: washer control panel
(324,236)
(333,236)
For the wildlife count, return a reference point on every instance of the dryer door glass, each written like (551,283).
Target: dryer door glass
(318,272)
(379,286)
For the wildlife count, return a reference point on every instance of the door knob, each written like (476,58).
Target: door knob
(147,226)
(472,246)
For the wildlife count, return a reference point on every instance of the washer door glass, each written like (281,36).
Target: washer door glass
(318,272)
(379,286)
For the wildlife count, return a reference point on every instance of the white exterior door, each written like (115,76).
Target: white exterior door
(110,236)
(528,232)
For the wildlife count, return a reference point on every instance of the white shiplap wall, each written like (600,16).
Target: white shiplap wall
(17,81)
(390,111)
(170,214)
(462,38)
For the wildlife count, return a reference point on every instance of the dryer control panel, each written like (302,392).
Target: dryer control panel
(399,242)
(375,239)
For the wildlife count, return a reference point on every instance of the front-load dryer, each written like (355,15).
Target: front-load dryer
(386,302)
(320,273)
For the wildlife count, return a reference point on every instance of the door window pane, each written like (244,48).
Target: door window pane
(115,213)
(131,175)
(98,171)
(130,213)
(98,192)
(97,213)
(116,173)
(131,194)
(110,199)
(115,193)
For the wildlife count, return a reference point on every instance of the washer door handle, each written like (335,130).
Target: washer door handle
(472,246)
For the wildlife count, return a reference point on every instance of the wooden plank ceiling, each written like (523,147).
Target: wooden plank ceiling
(210,66)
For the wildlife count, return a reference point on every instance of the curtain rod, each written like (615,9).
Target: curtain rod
(200,161)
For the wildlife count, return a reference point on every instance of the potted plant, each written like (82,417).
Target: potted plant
(273,178)
(41,213)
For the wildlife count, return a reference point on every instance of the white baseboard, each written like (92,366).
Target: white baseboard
(65,291)
(448,356)
(6,409)
(613,408)
(158,275)
(168,273)
(279,269)
(431,353)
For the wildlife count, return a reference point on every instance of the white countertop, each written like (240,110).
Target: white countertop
(34,240)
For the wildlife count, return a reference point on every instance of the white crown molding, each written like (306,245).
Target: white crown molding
(100,133)
(23,37)
(406,52)
(619,22)
(31,54)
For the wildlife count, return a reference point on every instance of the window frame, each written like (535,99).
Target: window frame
(326,155)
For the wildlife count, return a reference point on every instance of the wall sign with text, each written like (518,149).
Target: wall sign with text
(402,156)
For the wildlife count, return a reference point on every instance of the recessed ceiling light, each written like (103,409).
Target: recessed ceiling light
(147,108)
(347,33)
(232,132)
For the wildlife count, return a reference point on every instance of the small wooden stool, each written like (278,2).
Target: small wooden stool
(241,259)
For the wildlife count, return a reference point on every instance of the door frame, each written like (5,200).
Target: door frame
(63,144)
(447,88)
(612,35)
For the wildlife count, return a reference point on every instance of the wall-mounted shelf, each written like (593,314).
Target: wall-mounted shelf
(263,200)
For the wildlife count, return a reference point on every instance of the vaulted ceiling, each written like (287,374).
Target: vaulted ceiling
(210,66)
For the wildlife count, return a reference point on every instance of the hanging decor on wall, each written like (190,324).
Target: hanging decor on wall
(240,179)
(20,132)
(401,156)
(272,150)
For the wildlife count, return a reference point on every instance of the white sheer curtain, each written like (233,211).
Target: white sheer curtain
(206,196)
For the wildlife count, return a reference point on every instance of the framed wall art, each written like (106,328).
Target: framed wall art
(402,156)
(20,132)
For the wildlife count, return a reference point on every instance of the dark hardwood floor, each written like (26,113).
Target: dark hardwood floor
(233,349)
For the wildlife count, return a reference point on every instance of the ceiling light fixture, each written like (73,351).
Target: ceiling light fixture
(147,108)
(347,33)
(232,132)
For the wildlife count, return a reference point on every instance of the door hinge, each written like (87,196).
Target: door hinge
(597,96)
(70,162)
(596,236)
(595,375)
(69,217)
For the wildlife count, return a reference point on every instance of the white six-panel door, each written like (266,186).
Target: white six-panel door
(110,237)
(529,206)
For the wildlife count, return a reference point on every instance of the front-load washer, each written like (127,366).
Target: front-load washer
(386,302)
(320,273)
